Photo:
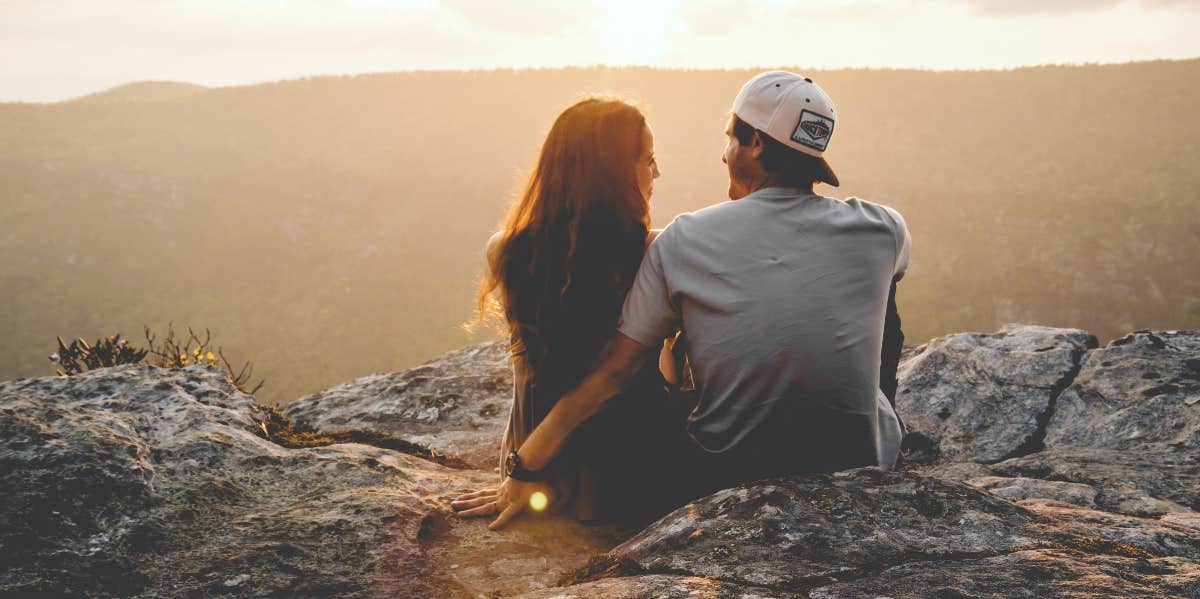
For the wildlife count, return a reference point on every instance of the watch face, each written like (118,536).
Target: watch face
(510,463)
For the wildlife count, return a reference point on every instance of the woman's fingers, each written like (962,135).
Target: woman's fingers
(480,493)
(466,504)
(512,510)
(486,509)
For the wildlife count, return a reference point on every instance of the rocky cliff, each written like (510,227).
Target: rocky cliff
(1037,464)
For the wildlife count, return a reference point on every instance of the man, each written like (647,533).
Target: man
(783,296)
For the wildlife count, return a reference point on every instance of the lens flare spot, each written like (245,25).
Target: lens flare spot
(538,501)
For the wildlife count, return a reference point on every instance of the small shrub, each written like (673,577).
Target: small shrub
(79,356)
(172,354)
(113,351)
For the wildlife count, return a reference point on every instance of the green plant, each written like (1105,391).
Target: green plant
(173,354)
(80,356)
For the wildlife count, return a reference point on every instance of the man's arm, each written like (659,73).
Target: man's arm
(648,316)
(893,344)
(623,359)
(893,337)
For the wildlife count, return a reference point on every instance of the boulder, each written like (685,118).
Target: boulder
(1140,391)
(143,481)
(1031,573)
(986,397)
(1125,424)
(658,586)
(533,552)
(1190,519)
(1141,483)
(1026,488)
(871,533)
(793,532)
(1129,425)
(456,404)
(1130,535)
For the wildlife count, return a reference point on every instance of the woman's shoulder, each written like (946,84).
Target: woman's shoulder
(492,249)
(493,242)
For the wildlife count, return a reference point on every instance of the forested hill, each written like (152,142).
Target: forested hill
(332,227)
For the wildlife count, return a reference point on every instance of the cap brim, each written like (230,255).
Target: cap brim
(827,174)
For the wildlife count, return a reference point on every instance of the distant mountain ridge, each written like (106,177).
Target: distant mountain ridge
(140,91)
(329,227)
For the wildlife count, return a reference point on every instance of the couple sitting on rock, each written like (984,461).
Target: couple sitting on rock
(779,306)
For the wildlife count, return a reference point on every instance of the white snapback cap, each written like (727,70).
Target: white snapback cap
(792,110)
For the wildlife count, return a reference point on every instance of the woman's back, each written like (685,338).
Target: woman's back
(559,271)
(573,334)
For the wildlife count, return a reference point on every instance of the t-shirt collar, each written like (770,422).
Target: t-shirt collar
(779,192)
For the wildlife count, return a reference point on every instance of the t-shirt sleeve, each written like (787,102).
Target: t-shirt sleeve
(649,315)
(903,243)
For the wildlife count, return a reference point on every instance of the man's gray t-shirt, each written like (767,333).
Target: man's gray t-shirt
(782,295)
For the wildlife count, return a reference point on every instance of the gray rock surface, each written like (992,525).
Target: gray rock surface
(143,481)
(1189,519)
(985,397)
(1026,488)
(1129,424)
(798,532)
(1139,392)
(871,533)
(1150,536)
(455,404)
(1032,573)
(532,553)
(659,586)
(1142,483)
(1125,424)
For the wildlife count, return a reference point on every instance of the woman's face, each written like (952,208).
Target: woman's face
(647,167)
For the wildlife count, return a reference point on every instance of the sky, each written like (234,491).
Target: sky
(58,49)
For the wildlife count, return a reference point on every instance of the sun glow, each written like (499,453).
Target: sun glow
(634,32)
(538,501)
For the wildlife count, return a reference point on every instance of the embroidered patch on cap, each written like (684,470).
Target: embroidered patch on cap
(813,130)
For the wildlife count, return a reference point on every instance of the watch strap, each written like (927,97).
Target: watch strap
(518,470)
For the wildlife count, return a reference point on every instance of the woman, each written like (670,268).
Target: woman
(558,274)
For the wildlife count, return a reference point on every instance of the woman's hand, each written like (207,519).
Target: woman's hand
(510,499)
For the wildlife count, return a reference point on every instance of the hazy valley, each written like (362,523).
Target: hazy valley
(333,227)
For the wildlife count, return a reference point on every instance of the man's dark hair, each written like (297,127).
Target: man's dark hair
(792,167)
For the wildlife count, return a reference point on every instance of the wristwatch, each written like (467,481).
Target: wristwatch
(514,469)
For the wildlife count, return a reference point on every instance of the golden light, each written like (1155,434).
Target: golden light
(538,501)
(635,31)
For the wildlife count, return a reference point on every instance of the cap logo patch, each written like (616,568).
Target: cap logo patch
(813,130)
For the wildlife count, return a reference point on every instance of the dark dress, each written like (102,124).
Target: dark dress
(622,446)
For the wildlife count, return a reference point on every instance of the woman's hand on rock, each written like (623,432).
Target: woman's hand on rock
(510,499)
(479,503)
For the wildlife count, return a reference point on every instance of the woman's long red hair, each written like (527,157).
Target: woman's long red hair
(573,240)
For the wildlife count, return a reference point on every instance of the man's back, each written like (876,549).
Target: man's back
(782,295)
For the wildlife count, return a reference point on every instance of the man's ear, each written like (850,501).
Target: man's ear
(756,145)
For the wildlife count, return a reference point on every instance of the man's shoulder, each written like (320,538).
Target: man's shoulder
(867,205)
(686,224)
(876,210)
